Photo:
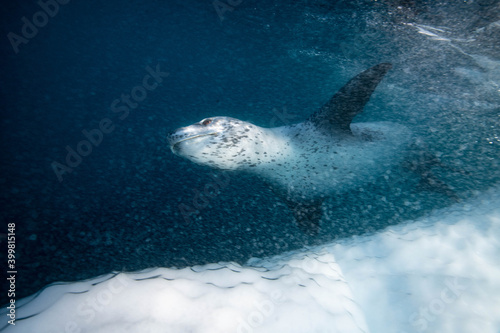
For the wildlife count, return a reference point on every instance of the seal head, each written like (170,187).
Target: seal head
(220,142)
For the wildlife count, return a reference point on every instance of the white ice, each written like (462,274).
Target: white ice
(438,274)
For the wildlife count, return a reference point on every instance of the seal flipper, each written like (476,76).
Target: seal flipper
(338,113)
(430,182)
(422,165)
(307,214)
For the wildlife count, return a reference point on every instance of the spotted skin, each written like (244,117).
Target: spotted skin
(297,160)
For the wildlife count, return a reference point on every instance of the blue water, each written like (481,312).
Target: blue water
(118,209)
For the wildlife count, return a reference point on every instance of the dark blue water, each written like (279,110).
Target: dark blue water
(133,72)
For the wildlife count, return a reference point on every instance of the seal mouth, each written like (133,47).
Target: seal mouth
(174,142)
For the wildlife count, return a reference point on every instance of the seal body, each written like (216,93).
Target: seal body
(304,163)
(299,160)
(310,165)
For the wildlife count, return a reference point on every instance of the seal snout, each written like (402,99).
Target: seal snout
(174,137)
(188,133)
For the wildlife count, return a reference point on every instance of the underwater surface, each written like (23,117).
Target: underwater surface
(90,187)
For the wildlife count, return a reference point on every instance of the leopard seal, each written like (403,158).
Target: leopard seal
(304,163)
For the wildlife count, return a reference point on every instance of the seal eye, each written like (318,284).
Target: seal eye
(206,122)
